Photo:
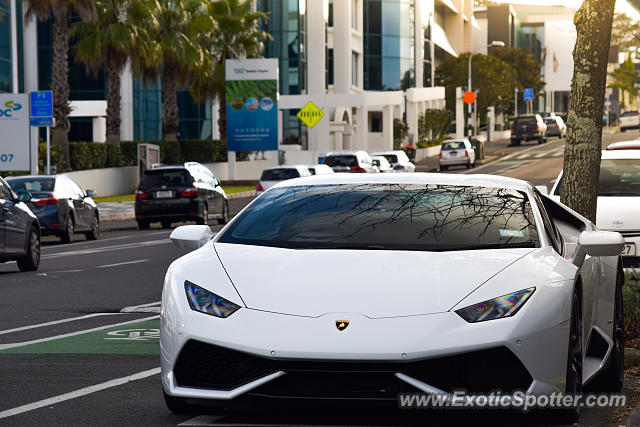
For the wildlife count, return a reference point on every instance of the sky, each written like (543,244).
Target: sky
(622,6)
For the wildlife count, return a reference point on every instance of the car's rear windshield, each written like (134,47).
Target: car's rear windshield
(629,113)
(525,120)
(453,145)
(550,121)
(386,216)
(176,177)
(344,160)
(618,177)
(32,184)
(391,158)
(279,174)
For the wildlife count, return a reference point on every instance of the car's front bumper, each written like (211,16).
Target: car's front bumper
(275,355)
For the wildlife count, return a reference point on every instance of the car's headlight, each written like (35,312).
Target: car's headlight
(207,302)
(497,308)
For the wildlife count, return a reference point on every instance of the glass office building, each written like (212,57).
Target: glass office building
(389,46)
(6,63)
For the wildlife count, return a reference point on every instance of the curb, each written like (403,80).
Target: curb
(241,195)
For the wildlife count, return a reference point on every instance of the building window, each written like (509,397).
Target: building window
(330,77)
(375,121)
(330,19)
(354,14)
(354,69)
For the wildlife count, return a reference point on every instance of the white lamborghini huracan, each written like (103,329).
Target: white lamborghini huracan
(364,286)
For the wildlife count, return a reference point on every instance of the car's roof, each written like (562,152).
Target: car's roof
(621,154)
(340,153)
(284,167)
(381,153)
(479,180)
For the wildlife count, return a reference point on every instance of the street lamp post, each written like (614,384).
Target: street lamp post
(495,43)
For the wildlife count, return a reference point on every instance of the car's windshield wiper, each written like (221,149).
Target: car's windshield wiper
(525,244)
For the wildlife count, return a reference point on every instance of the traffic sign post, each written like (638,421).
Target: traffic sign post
(41,113)
(528,98)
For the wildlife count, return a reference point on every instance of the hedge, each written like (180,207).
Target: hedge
(89,155)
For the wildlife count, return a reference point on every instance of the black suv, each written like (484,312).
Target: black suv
(526,128)
(19,229)
(169,194)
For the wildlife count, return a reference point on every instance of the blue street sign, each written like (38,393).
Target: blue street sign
(528,95)
(41,121)
(42,104)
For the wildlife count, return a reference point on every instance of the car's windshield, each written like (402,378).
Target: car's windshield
(391,158)
(32,184)
(348,160)
(279,174)
(618,177)
(386,216)
(179,177)
(453,145)
(629,113)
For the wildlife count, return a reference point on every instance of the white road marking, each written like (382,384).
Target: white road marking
(78,393)
(55,322)
(71,334)
(211,420)
(123,263)
(107,249)
(541,155)
(523,156)
(152,307)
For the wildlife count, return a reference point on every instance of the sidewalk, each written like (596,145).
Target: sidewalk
(493,150)
(124,211)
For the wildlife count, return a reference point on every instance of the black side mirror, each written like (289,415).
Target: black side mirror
(24,196)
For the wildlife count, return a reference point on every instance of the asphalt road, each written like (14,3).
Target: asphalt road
(79,337)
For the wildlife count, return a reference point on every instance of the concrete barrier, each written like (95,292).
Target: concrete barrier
(109,181)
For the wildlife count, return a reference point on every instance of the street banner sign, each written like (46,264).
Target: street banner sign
(469,97)
(14,128)
(310,114)
(42,121)
(252,108)
(528,95)
(41,104)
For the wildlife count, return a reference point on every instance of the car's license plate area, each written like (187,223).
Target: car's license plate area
(629,249)
(164,194)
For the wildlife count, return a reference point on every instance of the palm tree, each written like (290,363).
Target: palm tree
(624,78)
(173,50)
(236,34)
(60,11)
(109,40)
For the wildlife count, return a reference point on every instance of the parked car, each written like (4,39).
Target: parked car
(457,152)
(624,145)
(398,159)
(351,161)
(19,229)
(527,128)
(382,164)
(319,169)
(618,199)
(514,291)
(274,175)
(555,126)
(629,120)
(61,206)
(188,192)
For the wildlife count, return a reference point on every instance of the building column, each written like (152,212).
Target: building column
(319,140)
(459,114)
(341,46)
(126,104)
(387,127)
(359,139)
(15,78)
(30,61)
(412,119)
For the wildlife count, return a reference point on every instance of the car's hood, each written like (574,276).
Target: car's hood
(618,213)
(373,283)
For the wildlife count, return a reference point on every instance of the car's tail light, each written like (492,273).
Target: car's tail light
(259,187)
(191,192)
(557,126)
(466,153)
(47,200)
(141,195)
(511,128)
(357,169)
(538,128)
(441,154)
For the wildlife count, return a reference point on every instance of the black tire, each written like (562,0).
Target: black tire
(69,229)
(443,168)
(166,224)
(31,260)
(178,405)
(611,378)
(203,218)
(623,129)
(515,142)
(225,213)
(94,232)
(469,164)
(573,385)
(143,225)
(540,140)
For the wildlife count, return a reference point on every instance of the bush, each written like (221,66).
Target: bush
(98,153)
(114,156)
(631,299)
(80,156)
(57,159)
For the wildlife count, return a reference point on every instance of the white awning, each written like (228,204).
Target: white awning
(450,5)
(439,37)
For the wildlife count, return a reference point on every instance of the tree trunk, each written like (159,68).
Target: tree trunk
(171,119)
(222,108)
(114,71)
(60,79)
(584,124)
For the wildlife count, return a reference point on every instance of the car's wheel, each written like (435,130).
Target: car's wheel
(94,232)
(443,168)
(623,129)
(31,260)
(469,164)
(540,140)
(611,378)
(177,405)
(515,142)
(203,218)
(143,225)
(225,213)
(69,229)
(166,224)
(573,384)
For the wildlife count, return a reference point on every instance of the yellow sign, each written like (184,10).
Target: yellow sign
(310,114)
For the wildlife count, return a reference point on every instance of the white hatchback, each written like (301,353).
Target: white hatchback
(274,175)
(618,199)
(457,152)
